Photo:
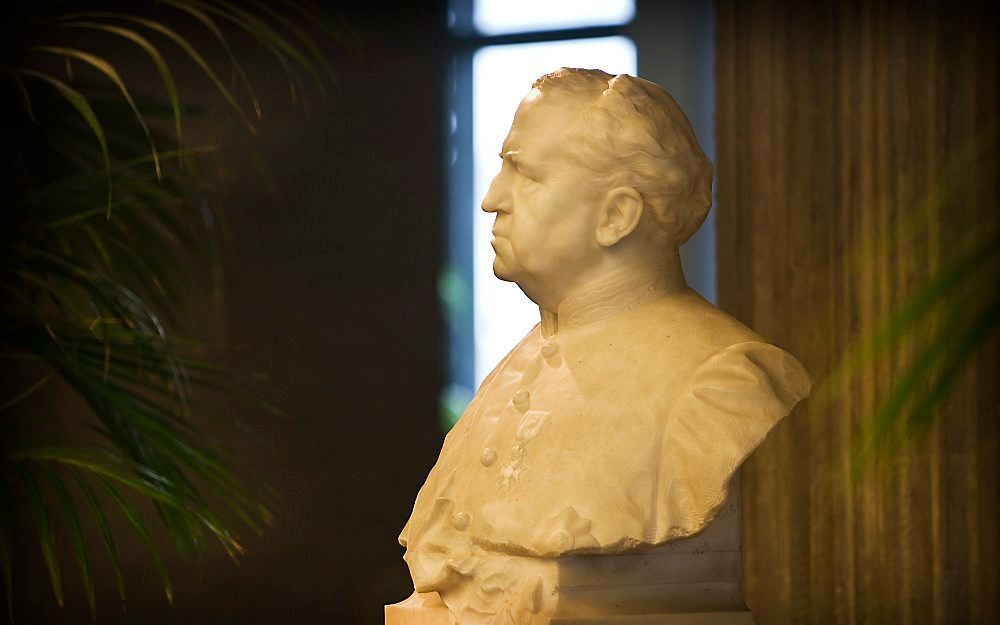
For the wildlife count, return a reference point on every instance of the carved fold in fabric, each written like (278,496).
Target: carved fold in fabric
(625,434)
(725,410)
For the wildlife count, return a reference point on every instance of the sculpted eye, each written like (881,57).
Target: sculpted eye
(526,174)
(527,182)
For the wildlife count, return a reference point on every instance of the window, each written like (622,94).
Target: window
(501,47)
(502,17)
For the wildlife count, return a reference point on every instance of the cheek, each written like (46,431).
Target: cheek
(525,238)
(545,239)
(528,221)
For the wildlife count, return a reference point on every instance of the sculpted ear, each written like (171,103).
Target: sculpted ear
(619,216)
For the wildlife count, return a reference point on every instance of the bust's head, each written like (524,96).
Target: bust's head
(599,172)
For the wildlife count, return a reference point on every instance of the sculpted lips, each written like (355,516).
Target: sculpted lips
(498,234)
(499,231)
(500,243)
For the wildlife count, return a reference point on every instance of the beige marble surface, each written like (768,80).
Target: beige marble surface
(584,477)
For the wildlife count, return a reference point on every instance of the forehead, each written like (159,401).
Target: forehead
(540,122)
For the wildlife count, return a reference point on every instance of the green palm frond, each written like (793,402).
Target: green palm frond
(111,73)
(944,324)
(104,202)
(43,527)
(169,85)
(960,308)
(79,542)
(102,523)
(82,106)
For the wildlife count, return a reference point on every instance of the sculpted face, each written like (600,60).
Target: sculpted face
(546,207)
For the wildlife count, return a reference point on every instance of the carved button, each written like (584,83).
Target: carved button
(488,457)
(461,520)
(550,349)
(521,399)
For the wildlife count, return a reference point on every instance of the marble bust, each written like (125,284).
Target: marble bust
(614,427)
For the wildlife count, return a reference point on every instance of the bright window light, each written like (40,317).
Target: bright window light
(498,17)
(501,76)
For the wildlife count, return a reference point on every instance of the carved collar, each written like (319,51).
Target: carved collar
(613,294)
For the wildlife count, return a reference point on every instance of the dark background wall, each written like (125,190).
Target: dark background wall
(336,295)
(332,291)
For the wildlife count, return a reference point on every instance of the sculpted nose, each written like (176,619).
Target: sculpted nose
(497,200)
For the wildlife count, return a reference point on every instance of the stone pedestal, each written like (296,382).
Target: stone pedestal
(693,581)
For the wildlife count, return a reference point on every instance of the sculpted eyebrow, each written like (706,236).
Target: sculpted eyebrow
(518,161)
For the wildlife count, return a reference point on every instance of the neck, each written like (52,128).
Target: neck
(617,288)
(665,270)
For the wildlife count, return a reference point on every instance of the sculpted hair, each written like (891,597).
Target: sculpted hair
(634,134)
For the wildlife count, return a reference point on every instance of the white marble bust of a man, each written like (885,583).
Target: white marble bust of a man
(618,421)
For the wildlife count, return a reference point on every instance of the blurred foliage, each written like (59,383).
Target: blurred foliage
(936,333)
(104,206)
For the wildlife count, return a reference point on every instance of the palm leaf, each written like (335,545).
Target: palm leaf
(108,70)
(109,467)
(43,527)
(969,342)
(90,292)
(275,43)
(184,45)
(213,28)
(154,54)
(971,317)
(102,524)
(79,542)
(135,520)
(942,285)
(104,463)
(79,102)
(28,392)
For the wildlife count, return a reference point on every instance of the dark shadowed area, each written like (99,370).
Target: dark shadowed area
(332,291)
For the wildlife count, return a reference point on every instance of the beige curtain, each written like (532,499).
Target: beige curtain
(857,154)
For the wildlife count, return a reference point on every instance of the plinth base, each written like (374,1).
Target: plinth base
(427,609)
(690,581)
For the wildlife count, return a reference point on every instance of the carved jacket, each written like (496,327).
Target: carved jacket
(613,424)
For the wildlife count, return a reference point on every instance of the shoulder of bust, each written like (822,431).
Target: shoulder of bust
(677,331)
